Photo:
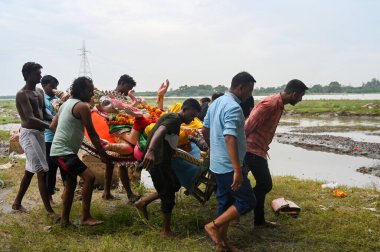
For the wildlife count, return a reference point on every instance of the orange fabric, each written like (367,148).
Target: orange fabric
(262,123)
(101,127)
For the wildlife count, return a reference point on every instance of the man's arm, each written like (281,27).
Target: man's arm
(85,116)
(206,135)
(45,115)
(232,149)
(54,123)
(148,161)
(27,113)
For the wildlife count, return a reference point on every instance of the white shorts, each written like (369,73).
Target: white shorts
(33,143)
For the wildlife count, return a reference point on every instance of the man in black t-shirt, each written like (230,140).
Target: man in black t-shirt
(161,146)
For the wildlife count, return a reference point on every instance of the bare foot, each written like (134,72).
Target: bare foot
(19,208)
(107,196)
(212,231)
(170,234)
(55,217)
(132,198)
(220,247)
(67,224)
(91,222)
(141,206)
(229,247)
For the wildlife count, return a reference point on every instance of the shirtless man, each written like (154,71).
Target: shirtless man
(31,108)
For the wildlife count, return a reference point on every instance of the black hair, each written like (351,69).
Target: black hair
(296,86)
(216,95)
(79,85)
(47,79)
(125,78)
(242,78)
(29,67)
(191,104)
(205,99)
(247,106)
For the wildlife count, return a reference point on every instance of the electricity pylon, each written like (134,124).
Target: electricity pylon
(84,68)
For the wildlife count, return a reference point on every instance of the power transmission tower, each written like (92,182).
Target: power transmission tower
(84,68)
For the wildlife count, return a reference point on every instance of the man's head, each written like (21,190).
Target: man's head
(216,95)
(294,91)
(49,83)
(82,89)
(125,84)
(190,109)
(32,72)
(242,85)
(205,100)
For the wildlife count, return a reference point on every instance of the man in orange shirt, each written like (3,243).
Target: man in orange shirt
(259,130)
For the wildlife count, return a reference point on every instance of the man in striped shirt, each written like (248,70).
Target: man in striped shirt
(259,130)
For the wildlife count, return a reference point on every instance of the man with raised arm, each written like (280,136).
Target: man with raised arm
(31,108)
(73,116)
(224,132)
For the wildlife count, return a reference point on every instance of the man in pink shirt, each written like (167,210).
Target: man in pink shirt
(259,130)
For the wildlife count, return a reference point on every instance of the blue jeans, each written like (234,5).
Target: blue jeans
(243,199)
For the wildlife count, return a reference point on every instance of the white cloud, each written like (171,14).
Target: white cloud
(191,42)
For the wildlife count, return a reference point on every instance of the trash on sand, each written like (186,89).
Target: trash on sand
(281,205)
(6,166)
(339,193)
(330,185)
(356,148)
(48,229)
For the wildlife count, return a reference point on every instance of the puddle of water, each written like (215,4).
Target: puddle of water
(289,160)
(331,121)
(146,179)
(8,126)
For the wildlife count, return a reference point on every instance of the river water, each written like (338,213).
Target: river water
(316,165)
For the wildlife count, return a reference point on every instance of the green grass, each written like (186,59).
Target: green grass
(325,223)
(341,107)
(8,112)
(4,135)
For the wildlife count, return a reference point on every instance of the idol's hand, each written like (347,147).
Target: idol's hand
(163,88)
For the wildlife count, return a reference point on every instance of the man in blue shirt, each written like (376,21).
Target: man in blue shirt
(49,83)
(224,132)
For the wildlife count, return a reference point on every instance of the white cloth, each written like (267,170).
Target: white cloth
(33,143)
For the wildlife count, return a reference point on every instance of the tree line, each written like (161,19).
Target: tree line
(372,86)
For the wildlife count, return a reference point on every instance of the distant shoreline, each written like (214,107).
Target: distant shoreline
(322,96)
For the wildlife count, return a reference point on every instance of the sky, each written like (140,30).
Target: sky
(191,42)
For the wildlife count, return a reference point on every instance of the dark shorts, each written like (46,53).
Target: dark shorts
(166,184)
(243,199)
(71,164)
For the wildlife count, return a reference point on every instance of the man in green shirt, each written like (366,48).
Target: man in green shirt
(73,116)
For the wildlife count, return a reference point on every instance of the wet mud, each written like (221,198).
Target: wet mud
(329,143)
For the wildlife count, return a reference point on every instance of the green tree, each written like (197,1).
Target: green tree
(316,89)
(334,87)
